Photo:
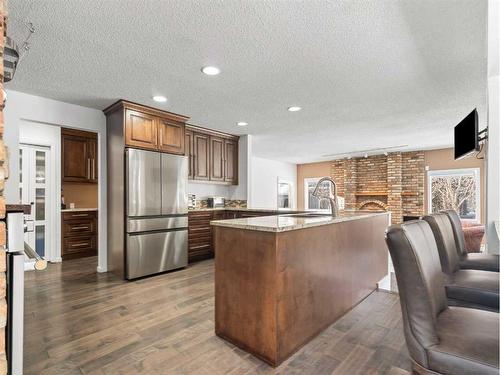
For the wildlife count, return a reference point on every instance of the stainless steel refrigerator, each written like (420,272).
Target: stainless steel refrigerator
(156,212)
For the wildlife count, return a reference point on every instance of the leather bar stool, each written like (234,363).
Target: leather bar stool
(474,261)
(468,288)
(441,339)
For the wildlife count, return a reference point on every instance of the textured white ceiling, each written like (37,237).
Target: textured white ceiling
(367,74)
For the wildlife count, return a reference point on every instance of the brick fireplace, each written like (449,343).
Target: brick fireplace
(393,182)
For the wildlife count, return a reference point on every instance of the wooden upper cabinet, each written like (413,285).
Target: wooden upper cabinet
(79,156)
(212,155)
(216,159)
(189,152)
(141,130)
(171,136)
(201,156)
(231,161)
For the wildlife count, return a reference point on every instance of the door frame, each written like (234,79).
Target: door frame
(52,245)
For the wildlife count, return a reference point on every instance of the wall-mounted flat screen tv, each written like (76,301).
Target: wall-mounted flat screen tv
(466,136)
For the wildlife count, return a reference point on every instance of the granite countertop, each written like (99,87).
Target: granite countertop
(246,209)
(283,223)
(78,209)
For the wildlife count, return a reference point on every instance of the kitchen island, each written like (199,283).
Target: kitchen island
(281,280)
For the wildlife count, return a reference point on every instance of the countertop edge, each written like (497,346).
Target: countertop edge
(78,209)
(227,224)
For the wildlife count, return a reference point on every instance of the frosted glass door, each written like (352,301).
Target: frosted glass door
(33,190)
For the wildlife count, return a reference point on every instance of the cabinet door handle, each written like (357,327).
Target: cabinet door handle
(83,244)
(88,168)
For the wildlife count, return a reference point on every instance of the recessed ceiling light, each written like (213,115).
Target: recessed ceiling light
(242,123)
(210,70)
(159,98)
(294,108)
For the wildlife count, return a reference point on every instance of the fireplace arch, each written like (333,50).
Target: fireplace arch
(372,205)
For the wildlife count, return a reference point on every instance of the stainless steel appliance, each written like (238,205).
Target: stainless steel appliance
(216,202)
(156,212)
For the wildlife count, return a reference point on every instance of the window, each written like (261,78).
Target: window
(285,189)
(313,203)
(455,189)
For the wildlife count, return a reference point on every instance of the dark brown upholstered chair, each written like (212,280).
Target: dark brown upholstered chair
(440,339)
(468,288)
(474,261)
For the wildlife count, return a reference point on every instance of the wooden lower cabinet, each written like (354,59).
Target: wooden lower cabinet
(79,234)
(200,234)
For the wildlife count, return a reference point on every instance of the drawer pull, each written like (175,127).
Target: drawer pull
(80,244)
(82,227)
(79,215)
(198,247)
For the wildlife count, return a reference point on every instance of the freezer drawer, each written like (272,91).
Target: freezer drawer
(156,223)
(149,253)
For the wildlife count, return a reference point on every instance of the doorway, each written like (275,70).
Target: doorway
(35,189)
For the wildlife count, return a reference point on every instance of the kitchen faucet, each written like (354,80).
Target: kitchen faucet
(328,195)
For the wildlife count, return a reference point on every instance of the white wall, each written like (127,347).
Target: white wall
(493,156)
(24,108)
(263,184)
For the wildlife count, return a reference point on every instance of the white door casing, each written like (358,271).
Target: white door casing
(35,189)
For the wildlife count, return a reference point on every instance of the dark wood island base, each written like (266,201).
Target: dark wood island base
(275,291)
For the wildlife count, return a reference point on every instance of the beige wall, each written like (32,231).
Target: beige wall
(443,159)
(82,195)
(310,170)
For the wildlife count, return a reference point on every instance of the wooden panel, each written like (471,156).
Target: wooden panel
(79,234)
(68,215)
(141,130)
(79,246)
(199,236)
(276,291)
(188,151)
(216,159)
(245,290)
(73,228)
(218,215)
(201,156)
(171,137)
(326,270)
(75,158)
(221,164)
(231,161)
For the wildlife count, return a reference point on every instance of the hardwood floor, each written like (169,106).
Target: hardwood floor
(81,322)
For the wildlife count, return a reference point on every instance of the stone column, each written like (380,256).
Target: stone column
(395,186)
(350,183)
